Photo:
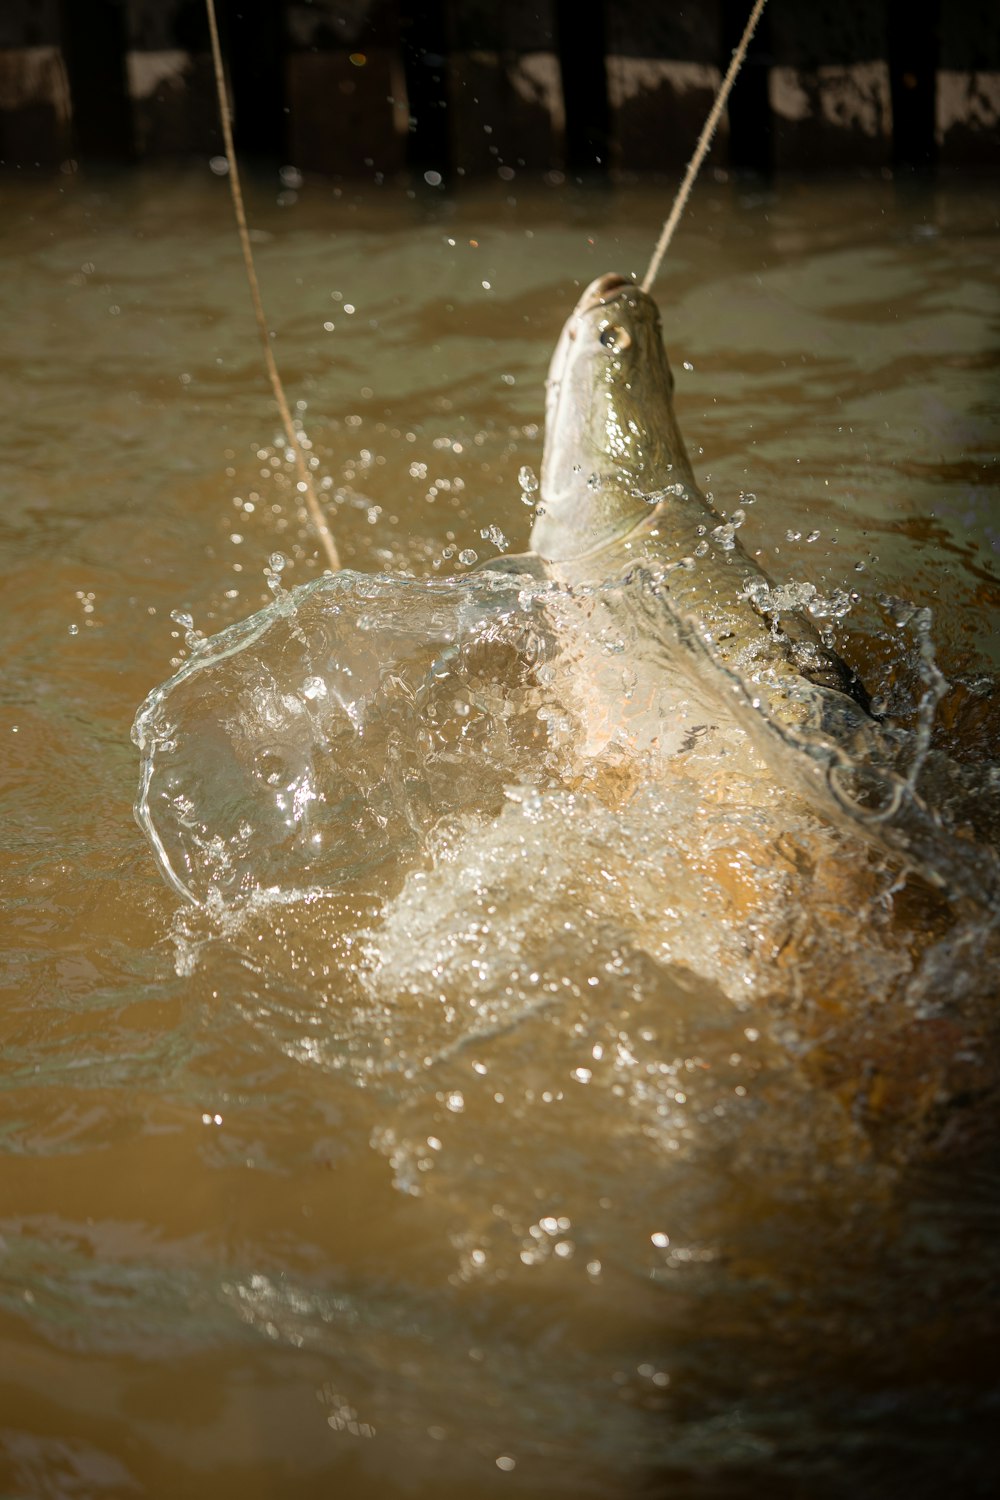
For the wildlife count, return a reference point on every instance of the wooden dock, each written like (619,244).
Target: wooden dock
(467,88)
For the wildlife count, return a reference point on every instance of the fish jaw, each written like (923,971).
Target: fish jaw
(612,443)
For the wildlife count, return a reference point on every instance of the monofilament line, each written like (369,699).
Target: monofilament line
(306,487)
(704,141)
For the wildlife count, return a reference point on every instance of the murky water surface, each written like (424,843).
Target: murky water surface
(574,1123)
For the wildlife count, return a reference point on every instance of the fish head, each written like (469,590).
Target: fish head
(611,438)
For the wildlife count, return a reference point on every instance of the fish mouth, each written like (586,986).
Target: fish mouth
(603,290)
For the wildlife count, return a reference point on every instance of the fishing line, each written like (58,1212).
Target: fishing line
(704,141)
(305,484)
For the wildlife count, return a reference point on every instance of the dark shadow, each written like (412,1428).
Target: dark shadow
(751,132)
(581,34)
(254,46)
(423,26)
(913,45)
(94,42)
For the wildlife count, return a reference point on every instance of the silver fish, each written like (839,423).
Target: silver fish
(622,523)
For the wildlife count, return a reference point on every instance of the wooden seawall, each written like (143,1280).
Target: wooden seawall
(472,87)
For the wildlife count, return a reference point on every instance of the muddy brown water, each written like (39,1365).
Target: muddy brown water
(620,1141)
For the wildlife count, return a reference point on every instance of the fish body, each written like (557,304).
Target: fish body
(619,502)
(658,577)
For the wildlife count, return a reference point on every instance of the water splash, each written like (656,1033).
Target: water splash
(332,733)
(328,733)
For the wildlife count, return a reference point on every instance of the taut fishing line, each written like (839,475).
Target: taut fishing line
(306,486)
(704,141)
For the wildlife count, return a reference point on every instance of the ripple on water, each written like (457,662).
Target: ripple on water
(630,1127)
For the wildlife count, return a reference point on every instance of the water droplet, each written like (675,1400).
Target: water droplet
(725,534)
(276,564)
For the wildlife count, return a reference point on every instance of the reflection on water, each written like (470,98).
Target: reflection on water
(612,1123)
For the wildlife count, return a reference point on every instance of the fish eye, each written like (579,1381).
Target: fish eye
(615,338)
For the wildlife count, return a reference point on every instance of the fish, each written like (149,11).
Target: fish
(635,623)
(618,495)
(623,525)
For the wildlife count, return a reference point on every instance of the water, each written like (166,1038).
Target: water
(587,1120)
